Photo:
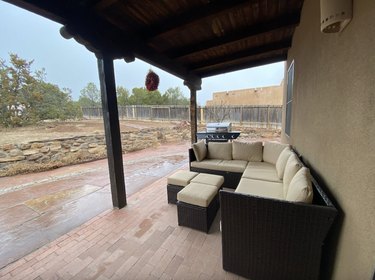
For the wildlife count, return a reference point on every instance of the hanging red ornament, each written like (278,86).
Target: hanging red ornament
(152,81)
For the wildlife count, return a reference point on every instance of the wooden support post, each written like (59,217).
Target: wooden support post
(112,130)
(241,118)
(202,115)
(193,86)
(193,115)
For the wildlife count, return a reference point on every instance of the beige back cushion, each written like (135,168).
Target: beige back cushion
(300,188)
(291,168)
(272,150)
(219,150)
(200,150)
(281,162)
(249,151)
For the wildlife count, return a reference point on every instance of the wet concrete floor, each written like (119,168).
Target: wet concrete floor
(38,208)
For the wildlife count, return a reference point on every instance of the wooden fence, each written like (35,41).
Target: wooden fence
(258,116)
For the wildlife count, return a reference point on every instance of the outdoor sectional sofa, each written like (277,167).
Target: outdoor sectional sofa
(275,222)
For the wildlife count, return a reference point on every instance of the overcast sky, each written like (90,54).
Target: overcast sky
(70,65)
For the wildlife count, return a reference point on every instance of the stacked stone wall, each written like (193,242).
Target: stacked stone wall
(42,155)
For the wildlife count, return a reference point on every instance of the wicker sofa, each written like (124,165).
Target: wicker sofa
(271,229)
(235,159)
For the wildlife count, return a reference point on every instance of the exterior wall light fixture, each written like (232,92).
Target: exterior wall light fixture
(335,15)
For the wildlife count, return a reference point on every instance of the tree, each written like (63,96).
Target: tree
(174,96)
(18,94)
(218,113)
(56,103)
(90,96)
(141,96)
(122,96)
(26,98)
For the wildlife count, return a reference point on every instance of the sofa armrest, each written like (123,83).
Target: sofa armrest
(266,238)
(191,157)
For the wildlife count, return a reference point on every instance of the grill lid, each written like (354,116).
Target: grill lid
(219,127)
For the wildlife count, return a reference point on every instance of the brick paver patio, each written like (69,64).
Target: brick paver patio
(140,241)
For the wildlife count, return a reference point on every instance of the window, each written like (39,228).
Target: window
(289,98)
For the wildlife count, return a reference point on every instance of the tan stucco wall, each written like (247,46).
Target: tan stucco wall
(272,95)
(333,124)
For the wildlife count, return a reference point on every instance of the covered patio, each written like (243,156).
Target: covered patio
(191,40)
(330,126)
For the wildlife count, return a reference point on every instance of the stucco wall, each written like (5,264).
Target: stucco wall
(333,125)
(272,95)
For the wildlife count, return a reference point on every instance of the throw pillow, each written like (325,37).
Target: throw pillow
(249,151)
(272,151)
(300,188)
(281,162)
(217,150)
(200,150)
(291,168)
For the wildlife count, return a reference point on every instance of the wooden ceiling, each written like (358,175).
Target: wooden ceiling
(191,39)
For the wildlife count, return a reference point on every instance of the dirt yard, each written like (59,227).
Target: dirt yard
(18,153)
(53,130)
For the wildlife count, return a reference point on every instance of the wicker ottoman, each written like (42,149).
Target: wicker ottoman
(176,182)
(197,206)
(209,179)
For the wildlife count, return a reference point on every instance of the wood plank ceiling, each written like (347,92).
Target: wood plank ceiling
(191,39)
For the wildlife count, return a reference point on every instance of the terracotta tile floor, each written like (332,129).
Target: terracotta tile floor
(140,241)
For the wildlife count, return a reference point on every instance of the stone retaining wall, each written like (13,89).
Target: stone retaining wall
(42,155)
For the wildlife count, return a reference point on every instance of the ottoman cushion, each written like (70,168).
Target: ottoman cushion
(181,178)
(197,194)
(209,179)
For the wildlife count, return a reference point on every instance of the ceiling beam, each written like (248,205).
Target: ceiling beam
(92,3)
(40,8)
(83,24)
(177,21)
(97,35)
(250,31)
(275,46)
(103,4)
(117,44)
(241,66)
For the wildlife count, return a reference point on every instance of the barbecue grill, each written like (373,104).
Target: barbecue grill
(218,132)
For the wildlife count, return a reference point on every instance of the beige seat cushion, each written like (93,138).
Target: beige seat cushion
(291,168)
(233,165)
(219,150)
(207,164)
(221,165)
(300,188)
(272,150)
(200,150)
(209,179)
(249,151)
(281,162)
(197,194)
(181,178)
(261,171)
(260,188)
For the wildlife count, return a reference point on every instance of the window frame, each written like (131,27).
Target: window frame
(289,99)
